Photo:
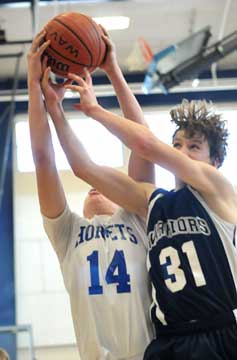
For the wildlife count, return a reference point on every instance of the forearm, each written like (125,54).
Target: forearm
(73,148)
(41,141)
(127,100)
(138,168)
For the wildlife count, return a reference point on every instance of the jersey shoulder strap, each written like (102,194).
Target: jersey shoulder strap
(156,192)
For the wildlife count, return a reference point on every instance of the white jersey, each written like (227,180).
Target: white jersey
(103,262)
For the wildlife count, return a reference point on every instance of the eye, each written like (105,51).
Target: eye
(176,145)
(194,146)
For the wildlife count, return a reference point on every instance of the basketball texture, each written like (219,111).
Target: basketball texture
(76,42)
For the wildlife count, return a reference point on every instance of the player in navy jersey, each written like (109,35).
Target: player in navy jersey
(103,254)
(191,230)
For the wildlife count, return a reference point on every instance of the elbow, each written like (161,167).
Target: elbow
(76,171)
(84,171)
(41,157)
(144,145)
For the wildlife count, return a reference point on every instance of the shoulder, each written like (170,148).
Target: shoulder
(65,219)
(60,231)
(224,206)
(219,194)
(129,218)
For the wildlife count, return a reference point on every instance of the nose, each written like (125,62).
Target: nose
(184,149)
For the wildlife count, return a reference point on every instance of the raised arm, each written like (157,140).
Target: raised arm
(51,195)
(138,168)
(115,185)
(200,175)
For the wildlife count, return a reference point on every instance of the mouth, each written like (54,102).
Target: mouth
(93,192)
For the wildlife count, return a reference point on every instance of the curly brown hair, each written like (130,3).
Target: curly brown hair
(196,117)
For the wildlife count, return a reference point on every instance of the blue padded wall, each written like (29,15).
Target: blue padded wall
(7,285)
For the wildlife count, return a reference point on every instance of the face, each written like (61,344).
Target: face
(97,204)
(196,147)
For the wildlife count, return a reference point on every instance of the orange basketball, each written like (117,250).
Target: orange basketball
(76,42)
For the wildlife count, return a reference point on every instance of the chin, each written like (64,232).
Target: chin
(98,205)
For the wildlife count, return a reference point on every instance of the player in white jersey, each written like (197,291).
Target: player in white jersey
(104,270)
(102,255)
(191,230)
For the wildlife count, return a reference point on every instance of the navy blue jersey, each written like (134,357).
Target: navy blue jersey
(192,259)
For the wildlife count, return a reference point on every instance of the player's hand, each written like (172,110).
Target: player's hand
(85,88)
(34,55)
(53,92)
(110,60)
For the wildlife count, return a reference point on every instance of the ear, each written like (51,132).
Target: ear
(215,162)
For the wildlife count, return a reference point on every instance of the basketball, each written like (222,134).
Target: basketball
(75,42)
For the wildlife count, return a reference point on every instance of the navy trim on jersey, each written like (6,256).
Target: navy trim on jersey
(157,192)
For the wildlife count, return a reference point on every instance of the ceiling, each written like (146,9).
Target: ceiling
(160,22)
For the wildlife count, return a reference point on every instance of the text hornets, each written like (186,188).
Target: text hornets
(114,232)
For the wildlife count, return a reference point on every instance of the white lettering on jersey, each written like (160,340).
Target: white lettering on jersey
(182,225)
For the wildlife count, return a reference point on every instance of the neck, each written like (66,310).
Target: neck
(98,213)
(179,184)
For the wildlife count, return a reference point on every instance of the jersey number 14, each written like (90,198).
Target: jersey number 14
(115,274)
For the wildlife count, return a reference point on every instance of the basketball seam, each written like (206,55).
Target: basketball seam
(66,58)
(98,37)
(68,27)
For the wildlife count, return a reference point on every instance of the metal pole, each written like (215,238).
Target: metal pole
(21,328)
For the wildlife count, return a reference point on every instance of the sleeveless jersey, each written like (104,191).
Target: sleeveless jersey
(103,262)
(192,260)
